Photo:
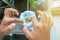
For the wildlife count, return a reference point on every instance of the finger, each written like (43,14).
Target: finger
(12,20)
(8,11)
(6,21)
(48,20)
(27,32)
(9,28)
(34,21)
(43,16)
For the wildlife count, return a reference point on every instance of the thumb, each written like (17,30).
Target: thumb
(10,27)
(27,32)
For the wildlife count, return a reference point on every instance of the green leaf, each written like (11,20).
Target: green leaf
(32,2)
(8,3)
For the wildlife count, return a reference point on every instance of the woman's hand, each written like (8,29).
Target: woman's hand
(8,22)
(41,29)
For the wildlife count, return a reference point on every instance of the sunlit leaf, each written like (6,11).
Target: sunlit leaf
(32,2)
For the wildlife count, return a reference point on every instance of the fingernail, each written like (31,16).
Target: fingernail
(13,24)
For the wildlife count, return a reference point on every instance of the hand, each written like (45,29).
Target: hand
(8,23)
(41,29)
